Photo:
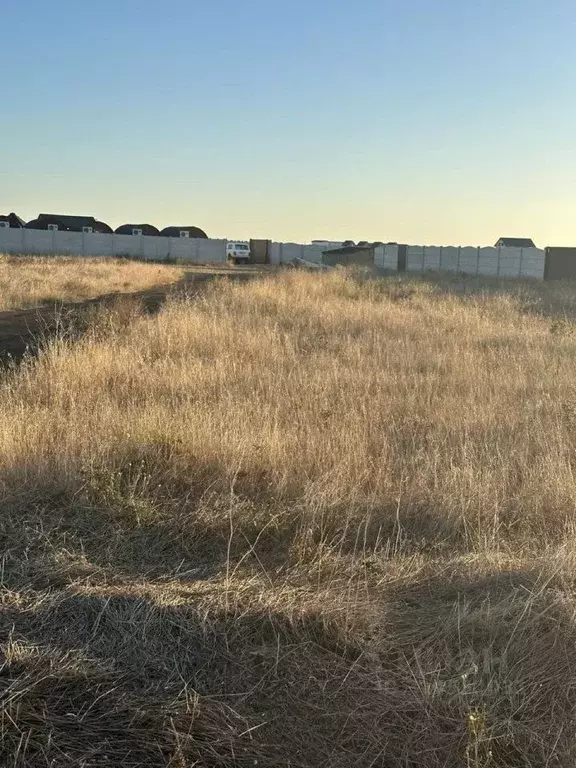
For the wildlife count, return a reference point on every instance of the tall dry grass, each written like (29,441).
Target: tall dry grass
(29,281)
(310,521)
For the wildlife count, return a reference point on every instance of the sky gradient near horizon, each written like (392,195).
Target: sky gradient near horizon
(447,122)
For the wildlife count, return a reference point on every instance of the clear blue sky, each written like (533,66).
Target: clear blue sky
(447,121)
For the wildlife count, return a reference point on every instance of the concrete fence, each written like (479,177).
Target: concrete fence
(38,241)
(495,262)
(283,253)
(498,262)
(386,256)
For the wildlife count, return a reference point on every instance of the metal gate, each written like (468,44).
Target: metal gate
(560,264)
(259,251)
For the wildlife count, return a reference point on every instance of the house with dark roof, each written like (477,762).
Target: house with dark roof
(515,242)
(57,221)
(11,220)
(137,229)
(183,232)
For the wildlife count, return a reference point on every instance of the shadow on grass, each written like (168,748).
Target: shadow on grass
(132,634)
(555,299)
(475,669)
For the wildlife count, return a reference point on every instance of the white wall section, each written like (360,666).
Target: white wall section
(497,262)
(490,262)
(39,241)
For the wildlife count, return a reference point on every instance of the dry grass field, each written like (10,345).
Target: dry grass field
(35,280)
(313,521)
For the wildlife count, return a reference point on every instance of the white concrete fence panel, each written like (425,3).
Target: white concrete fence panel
(489,262)
(284,253)
(386,256)
(39,241)
(103,245)
(497,262)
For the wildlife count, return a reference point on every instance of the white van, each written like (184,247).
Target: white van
(237,252)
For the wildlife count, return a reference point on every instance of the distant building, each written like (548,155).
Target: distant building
(137,229)
(183,232)
(57,221)
(515,242)
(11,220)
(328,243)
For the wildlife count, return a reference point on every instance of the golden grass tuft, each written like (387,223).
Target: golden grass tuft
(30,281)
(314,521)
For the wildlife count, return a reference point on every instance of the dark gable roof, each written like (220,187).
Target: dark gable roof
(147,229)
(175,232)
(14,221)
(68,223)
(72,223)
(516,242)
(103,228)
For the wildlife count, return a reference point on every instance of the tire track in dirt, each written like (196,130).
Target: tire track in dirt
(22,330)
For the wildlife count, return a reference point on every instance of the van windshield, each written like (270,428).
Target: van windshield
(240,247)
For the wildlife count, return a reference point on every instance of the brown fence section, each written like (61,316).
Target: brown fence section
(560,264)
(402,257)
(259,251)
(362,256)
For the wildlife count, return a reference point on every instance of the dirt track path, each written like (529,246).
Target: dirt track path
(22,329)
